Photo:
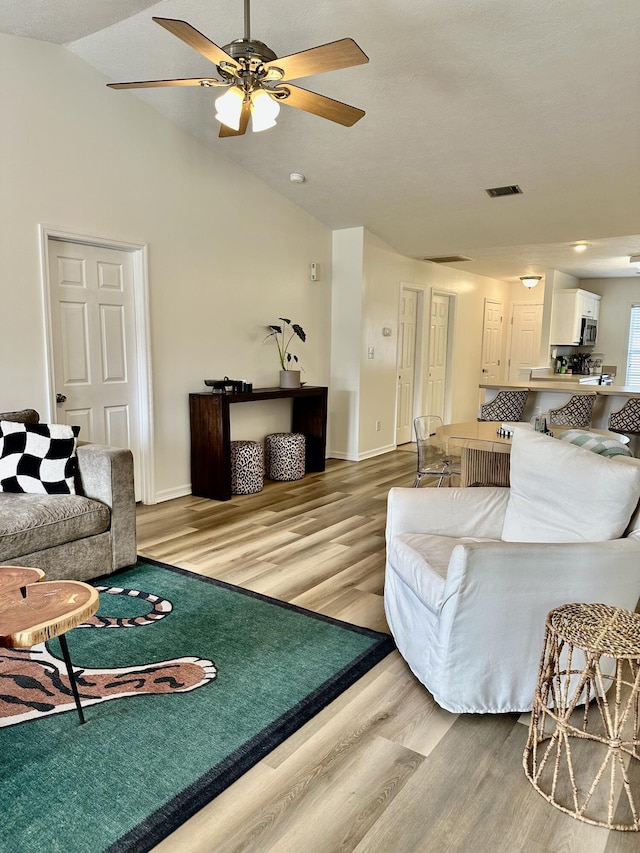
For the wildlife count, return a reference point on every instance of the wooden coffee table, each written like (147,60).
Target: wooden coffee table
(18,577)
(34,611)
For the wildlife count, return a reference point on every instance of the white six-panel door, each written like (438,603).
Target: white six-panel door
(526,331)
(438,352)
(407,330)
(491,340)
(93,342)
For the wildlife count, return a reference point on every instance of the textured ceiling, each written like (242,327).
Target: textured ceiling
(460,95)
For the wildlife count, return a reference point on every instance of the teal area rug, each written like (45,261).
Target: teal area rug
(186,683)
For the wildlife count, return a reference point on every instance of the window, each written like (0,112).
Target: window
(633,354)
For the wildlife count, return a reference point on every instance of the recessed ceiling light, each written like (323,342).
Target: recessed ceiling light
(580,247)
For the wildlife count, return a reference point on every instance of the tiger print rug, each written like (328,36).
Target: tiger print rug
(185,682)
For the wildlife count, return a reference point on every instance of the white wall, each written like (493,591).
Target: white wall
(227,256)
(618,294)
(383,271)
(346,331)
(78,157)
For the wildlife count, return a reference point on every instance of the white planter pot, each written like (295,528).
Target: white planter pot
(289,378)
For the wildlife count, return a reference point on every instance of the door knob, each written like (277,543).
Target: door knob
(61,398)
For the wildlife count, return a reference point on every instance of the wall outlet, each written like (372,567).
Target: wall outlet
(377,426)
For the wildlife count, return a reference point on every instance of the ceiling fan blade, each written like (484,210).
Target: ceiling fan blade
(147,84)
(244,123)
(321,106)
(327,57)
(195,39)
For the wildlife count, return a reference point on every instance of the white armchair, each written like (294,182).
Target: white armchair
(472,573)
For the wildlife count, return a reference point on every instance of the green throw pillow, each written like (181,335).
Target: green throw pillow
(597,443)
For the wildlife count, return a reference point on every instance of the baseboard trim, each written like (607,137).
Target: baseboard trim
(170,494)
(360,457)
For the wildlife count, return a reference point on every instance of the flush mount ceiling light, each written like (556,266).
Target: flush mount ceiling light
(530,281)
(254,78)
(579,247)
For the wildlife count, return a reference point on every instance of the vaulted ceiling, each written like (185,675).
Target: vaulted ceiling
(460,96)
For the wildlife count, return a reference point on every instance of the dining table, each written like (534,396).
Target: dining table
(485,452)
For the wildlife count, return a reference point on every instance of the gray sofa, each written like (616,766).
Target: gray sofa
(81,536)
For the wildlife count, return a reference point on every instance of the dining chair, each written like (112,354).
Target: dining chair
(575,412)
(505,406)
(434,459)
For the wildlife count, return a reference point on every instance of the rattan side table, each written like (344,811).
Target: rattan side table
(583,750)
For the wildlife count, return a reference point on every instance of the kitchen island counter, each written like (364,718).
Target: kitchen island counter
(545,394)
(562,387)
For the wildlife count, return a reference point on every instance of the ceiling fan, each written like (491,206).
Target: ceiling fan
(254,78)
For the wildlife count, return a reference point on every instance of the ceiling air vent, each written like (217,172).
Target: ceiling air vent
(447,259)
(496,192)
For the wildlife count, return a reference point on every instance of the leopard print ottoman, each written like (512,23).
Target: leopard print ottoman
(285,454)
(247,467)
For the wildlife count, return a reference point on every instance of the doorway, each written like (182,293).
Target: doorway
(96,302)
(524,343)
(408,319)
(491,340)
(439,355)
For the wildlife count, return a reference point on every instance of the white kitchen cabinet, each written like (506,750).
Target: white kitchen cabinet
(569,307)
(590,304)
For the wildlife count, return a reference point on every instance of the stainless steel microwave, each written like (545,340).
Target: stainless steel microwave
(588,332)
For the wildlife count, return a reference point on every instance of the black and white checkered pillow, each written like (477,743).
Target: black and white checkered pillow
(38,458)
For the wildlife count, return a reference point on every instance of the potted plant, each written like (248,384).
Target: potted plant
(283,336)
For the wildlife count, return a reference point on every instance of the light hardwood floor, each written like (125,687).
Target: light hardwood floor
(382,768)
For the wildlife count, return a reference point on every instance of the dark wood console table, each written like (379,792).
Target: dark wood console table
(211,433)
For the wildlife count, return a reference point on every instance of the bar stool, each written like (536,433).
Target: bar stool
(247,467)
(579,758)
(627,419)
(285,456)
(575,412)
(505,406)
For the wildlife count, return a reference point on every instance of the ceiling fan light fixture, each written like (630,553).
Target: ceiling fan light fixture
(245,65)
(229,107)
(530,281)
(264,111)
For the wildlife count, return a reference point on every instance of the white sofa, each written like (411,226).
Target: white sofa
(472,573)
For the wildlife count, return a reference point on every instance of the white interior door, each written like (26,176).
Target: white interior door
(491,340)
(438,352)
(526,331)
(407,331)
(93,343)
